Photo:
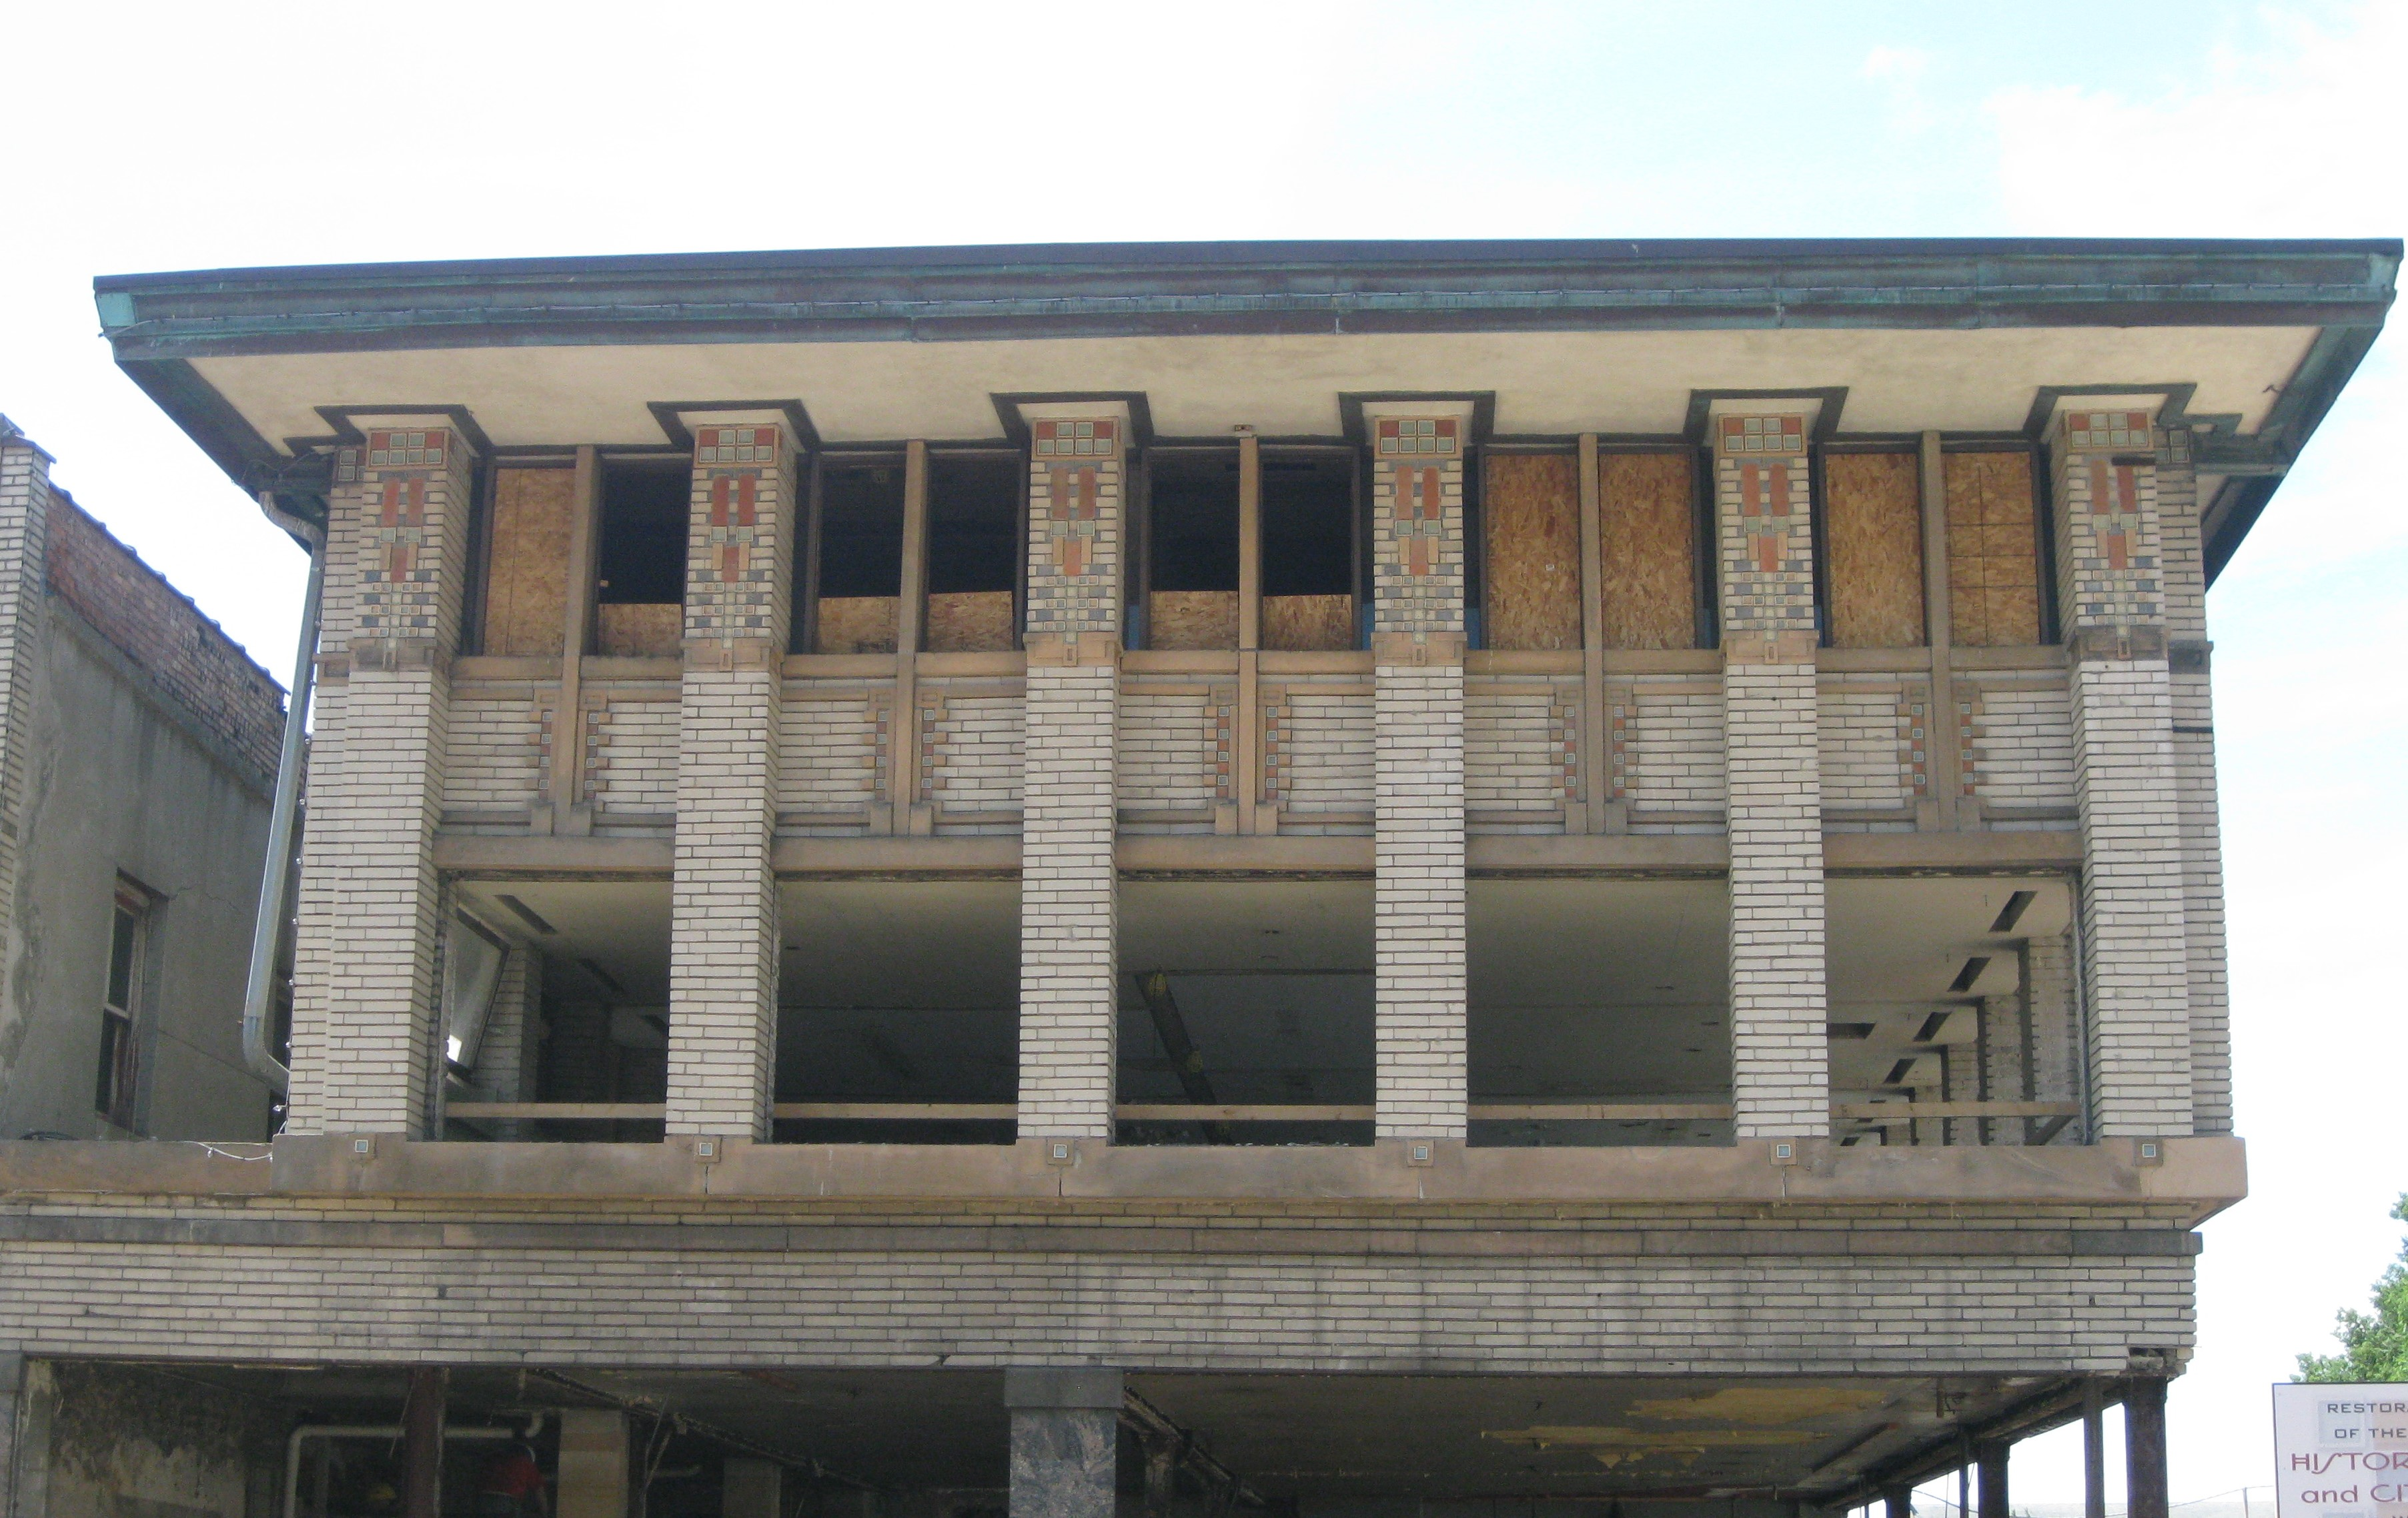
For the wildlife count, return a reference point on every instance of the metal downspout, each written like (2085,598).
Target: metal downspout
(267,928)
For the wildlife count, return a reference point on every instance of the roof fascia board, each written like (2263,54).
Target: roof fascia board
(1180,289)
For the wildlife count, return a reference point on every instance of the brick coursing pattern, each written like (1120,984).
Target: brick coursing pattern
(1070,916)
(1820,1295)
(166,635)
(1664,742)
(1780,1056)
(2135,960)
(724,931)
(367,966)
(1421,975)
(830,747)
(1521,756)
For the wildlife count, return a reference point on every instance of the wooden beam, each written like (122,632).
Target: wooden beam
(1946,765)
(1246,735)
(900,1111)
(1600,1111)
(569,814)
(903,730)
(1902,1112)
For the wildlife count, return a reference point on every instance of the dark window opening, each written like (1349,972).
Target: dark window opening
(114,1086)
(640,588)
(1308,525)
(1190,542)
(973,523)
(861,529)
(1311,545)
(974,515)
(1195,521)
(643,533)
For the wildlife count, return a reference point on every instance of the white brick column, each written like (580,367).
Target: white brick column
(2135,965)
(1420,982)
(1781,1084)
(24,521)
(1069,917)
(2194,740)
(366,992)
(724,936)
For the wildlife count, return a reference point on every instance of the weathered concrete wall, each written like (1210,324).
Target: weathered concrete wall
(128,1442)
(119,778)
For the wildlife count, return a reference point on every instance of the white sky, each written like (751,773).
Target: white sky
(144,138)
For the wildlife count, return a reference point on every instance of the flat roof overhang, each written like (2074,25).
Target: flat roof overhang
(2249,340)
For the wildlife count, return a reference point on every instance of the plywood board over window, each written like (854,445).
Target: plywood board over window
(1530,516)
(1873,534)
(526,564)
(1993,550)
(968,622)
(1647,535)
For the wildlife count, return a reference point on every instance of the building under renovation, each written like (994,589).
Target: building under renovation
(1350,878)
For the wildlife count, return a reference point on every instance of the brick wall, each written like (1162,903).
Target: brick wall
(1779,1057)
(25,496)
(1521,754)
(1664,742)
(831,743)
(165,634)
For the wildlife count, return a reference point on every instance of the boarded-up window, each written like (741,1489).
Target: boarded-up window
(1873,534)
(1647,533)
(526,564)
(1993,550)
(1530,521)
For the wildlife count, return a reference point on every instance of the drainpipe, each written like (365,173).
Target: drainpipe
(267,928)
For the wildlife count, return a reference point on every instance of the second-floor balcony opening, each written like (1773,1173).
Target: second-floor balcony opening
(1599,1012)
(1246,1012)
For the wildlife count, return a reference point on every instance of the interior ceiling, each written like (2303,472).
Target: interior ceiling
(1311,1436)
(1579,989)
(1545,383)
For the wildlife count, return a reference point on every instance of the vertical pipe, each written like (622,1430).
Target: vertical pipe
(1897,1502)
(2144,1449)
(267,924)
(421,1444)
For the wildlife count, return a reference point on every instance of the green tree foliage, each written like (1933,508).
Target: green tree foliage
(2374,1346)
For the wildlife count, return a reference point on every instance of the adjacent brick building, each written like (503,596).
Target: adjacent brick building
(1416,875)
(141,748)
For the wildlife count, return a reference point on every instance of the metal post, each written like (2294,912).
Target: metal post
(421,1444)
(2145,1447)
(1992,1490)
(1897,1502)
(2094,1453)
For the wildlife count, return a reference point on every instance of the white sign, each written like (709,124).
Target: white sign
(2340,1451)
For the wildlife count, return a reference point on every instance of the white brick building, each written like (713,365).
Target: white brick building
(1419,875)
